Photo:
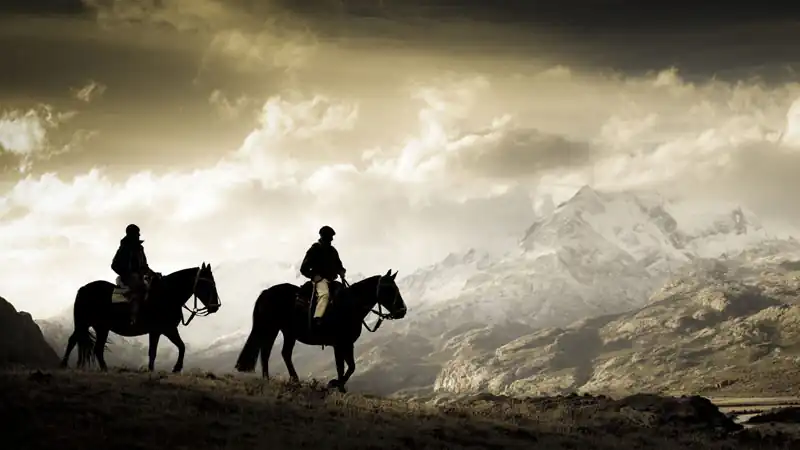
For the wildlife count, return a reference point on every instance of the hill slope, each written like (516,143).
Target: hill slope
(722,326)
(21,340)
(70,410)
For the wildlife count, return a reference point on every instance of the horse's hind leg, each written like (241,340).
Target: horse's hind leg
(286,352)
(100,346)
(71,343)
(267,341)
(152,351)
(175,337)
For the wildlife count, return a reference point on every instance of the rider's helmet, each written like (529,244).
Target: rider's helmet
(132,230)
(326,232)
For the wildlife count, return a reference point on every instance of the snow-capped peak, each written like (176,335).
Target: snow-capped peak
(596,253)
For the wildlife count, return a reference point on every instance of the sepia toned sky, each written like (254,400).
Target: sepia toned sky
(234,130)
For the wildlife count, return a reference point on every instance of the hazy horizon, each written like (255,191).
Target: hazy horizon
(233,131)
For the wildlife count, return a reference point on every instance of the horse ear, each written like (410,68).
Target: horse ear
(388,273)
(203,266)
(394,275)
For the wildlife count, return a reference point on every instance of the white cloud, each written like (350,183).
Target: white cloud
(24,134)
(461,157)
(226,108)
(90,92)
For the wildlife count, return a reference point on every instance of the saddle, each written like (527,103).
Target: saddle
(122,292)
(307,294)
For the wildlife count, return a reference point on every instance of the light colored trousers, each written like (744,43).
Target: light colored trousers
(323,295)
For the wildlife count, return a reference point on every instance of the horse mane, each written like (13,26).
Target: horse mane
(181,272)
(366,282)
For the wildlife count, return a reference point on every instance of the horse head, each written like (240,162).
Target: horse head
(205,288)
(389,297)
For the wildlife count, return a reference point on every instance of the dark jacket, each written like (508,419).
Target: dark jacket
(322,260)
(129,257)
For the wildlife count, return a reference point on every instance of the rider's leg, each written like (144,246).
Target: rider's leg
(322,298)
(135,284)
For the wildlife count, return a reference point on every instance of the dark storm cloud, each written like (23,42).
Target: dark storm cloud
(152,111)
(586,14)
(156,110)
(525,153)
(44,7)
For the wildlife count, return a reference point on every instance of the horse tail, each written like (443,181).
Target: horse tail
(248,357)
(84,336)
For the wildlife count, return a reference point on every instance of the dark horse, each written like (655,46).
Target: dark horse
(159,314)
(285,308)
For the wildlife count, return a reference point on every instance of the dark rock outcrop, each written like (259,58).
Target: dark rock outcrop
(779,415)
(21,340)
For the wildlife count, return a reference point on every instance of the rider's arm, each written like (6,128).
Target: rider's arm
(122,260)
(308,260)
(144,261)
(341,270)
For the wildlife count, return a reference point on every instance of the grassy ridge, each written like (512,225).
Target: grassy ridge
(78,410)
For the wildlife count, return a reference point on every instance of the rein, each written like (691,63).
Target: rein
(195,311)
(381,315)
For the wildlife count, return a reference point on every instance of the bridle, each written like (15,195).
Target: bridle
(201,311)
(381,315)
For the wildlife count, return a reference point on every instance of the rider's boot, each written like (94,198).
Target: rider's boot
(134,309)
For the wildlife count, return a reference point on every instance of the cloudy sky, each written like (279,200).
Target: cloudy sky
(234,130)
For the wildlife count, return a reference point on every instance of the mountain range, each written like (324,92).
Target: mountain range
(506,321)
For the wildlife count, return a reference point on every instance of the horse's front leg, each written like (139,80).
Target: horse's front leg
(154,337)
(348,353)
(288,347)
(175,337)
(338,382)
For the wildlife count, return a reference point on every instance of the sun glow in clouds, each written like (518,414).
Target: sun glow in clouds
(465,158)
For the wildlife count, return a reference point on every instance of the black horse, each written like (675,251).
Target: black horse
(159,314)
(285,308)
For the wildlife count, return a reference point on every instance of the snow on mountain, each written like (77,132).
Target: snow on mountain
(597,253)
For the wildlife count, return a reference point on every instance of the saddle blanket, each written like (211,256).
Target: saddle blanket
(118,294)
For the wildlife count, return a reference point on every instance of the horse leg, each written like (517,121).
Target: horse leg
(100,347)
(286,352)
(175,337)
(348,353)
(71,343)
(153,350)
(267,341)
(338,382)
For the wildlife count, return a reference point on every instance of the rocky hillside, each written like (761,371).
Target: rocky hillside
(721,325)
(21,341)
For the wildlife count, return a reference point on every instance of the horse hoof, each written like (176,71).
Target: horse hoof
(176,369)
(333,384)
(342,389)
